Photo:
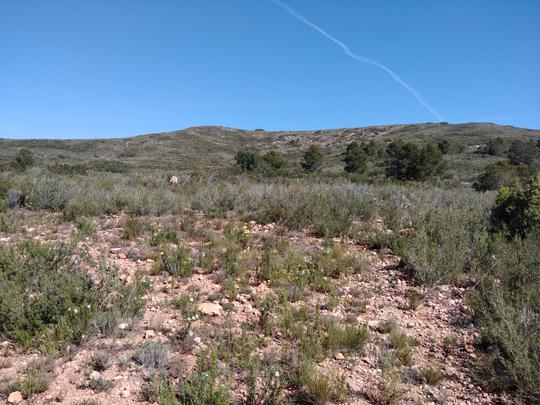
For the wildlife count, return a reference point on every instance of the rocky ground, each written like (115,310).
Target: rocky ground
(439,333)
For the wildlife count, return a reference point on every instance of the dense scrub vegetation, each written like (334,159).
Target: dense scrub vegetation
(47,301)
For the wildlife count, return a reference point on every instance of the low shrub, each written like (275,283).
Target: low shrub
(48,301)
(152,354)
(203,387)
(133,228)
(506,307)
(177,262)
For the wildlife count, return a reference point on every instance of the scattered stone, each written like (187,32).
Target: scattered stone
(339,356)
(95,376)
(373,324)
(210,309)
(123,326)
(15,397)
(149,334)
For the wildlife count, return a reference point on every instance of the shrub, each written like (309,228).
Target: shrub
(177,262)
(248,160)
(48,193)
(109,166)
(402,345)
(133,228)
(15,198)
(355,158)
(313,158)
(37,376)
(506,305)
(164,236)
(66,169)
(444,243)
(100,361)
(275,160)
(203,388)
(47,301)
(522,152)
(444,146)
(264,386)
(159,389)
(23,160)
(319,388)
(349,337)
(496,147)
(495,176)
(85,227)
(5,185)
(516,211)
(152,354)
(431,375)
(409,161)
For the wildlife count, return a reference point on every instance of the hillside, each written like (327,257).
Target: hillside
(214,147)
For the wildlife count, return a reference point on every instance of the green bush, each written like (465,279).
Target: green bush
(51,194)
(177,262)
(48,301)
(444,146)
(495,176)
(275,160)
(66,169)
(152,354)
(517,209)
(203,388)
(443,243)
(248,160)
(23,160)
(496,147)
(522,152)
(133,228)
(109,166)
(506,305)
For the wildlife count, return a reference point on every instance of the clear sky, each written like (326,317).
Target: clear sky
(107,68)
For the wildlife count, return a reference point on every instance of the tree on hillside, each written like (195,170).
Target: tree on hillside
(313,158)
(355,158)
(410,161)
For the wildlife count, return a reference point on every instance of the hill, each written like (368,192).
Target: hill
(214,147)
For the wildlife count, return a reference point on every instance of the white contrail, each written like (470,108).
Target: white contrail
(362,59)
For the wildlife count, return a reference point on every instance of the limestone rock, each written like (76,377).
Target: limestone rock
(210,309)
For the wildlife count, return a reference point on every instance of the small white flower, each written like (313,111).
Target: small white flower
(276,373)
(88,306)
(190,299)
(75,311)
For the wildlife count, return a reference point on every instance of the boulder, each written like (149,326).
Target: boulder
(210,309)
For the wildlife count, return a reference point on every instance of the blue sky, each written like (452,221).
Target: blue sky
(107,68)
